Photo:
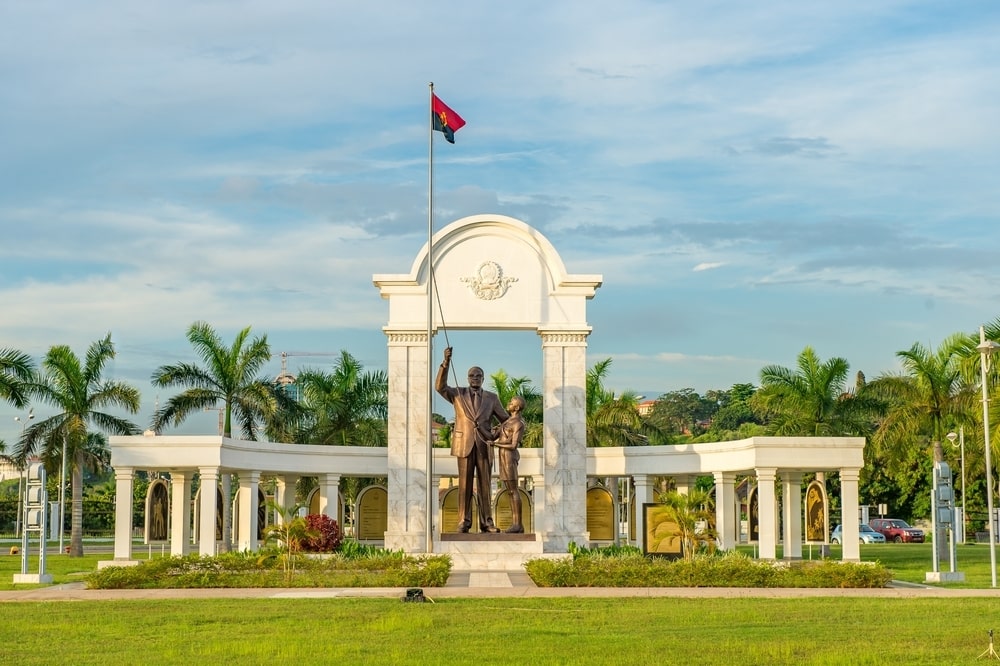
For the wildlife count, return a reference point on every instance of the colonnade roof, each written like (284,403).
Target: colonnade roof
(192,452)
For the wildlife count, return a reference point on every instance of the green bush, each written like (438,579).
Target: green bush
(729,569)
(264,569)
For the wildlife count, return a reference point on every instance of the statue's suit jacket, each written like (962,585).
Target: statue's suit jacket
(469,423)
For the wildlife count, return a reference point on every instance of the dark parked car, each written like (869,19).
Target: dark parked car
(894,529)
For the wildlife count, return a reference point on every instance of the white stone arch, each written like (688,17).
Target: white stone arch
(491,272)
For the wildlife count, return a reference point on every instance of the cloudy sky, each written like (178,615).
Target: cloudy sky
(749,178)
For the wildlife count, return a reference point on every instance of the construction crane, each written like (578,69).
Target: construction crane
(284,377)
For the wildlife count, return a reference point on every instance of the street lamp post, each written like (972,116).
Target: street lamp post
(961,444)
(20,478)
(62,496)
(986,348)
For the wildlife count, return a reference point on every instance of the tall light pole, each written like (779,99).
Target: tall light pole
(961,444)
(62,497)
(20,477)
(986,348)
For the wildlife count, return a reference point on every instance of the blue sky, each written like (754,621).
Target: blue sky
(749,178)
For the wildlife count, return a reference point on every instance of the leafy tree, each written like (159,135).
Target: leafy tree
(813,400)
(680,412)
(689,511)
(80,393)
(346,407)
(229,376)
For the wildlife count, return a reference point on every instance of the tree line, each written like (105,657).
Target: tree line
(905,416)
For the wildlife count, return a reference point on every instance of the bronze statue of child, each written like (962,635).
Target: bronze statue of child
(507,438)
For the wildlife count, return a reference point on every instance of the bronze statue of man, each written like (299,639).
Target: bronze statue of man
(475,412)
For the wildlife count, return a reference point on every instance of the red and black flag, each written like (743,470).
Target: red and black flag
(445,120)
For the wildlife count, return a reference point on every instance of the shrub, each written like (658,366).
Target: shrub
(322,534)
(377,568)
(729,569)
(351,549)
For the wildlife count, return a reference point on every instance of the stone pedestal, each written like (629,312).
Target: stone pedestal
(34,579)
(117,563)
(944,577)
(492,552)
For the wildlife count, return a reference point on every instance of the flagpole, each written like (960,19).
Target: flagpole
(429,479)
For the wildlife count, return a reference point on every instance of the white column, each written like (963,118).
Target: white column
(247,532)
(645,493)
(409,389)
(682,483)
(123,512)
(226,480)
(564,389)
(537,501)
(284,494)
(726,524)
(207,510)
(791,515)
(436,507)
(329,495)
(180,513)
(767,512)
(849,514)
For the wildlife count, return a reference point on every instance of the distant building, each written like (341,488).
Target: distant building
(646,407)
(285,381)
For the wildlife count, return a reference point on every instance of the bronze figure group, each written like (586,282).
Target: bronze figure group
(482,424)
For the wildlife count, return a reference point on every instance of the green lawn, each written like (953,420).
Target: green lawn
(911,561)
(825,630)
(498,631)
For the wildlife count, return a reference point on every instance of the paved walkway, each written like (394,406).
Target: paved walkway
(486,584)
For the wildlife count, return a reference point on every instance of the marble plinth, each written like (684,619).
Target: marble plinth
(492,552)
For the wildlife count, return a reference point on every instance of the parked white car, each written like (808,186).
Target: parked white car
(865,535)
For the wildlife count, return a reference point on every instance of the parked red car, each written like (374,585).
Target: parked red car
(894,529)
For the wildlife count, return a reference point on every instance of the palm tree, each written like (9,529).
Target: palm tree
(813,400)
(347,407)
(289,532)
(924,403)
(688,511)
(79,392)
(16,370)
(229,376)
(928,399)
(614,420)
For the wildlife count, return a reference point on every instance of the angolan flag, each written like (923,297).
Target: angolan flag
(446,121)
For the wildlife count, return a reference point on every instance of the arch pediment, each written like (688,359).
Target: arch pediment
(490,272)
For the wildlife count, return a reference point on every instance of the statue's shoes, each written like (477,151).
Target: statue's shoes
(515,529)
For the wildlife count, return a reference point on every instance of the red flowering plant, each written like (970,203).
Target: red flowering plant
(323,534)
